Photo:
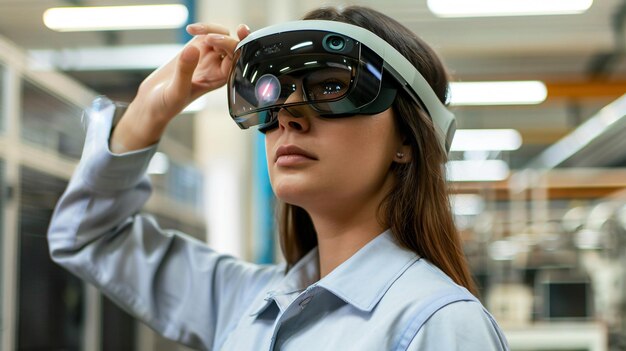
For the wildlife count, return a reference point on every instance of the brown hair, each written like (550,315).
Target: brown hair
(417,209)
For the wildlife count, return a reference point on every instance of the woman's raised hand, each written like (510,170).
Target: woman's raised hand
(202,66)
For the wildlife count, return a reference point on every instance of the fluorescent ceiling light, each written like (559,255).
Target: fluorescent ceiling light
(582,136)
(72,19)
(484,8)
(477,171)
(467,204)
(137,57)
(498,93)
(486,139)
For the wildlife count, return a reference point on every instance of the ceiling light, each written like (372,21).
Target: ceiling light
(467,204)
(477,171)
(486,140)
(498,93)
(72,19)
(484,8)
(135,57)
(611,117)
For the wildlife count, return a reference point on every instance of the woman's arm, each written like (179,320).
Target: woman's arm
(460,326)
(202,66)
(177,285)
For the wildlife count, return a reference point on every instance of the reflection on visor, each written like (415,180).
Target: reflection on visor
(271,84)
(267,90)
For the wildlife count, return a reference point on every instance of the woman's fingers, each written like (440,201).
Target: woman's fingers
(206,28)
(217,38)
(223,44)
(201,66)
(185,67)
(243,31)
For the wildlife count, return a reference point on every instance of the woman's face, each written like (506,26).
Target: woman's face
(332,162)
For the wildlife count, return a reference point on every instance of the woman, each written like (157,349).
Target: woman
(373,259)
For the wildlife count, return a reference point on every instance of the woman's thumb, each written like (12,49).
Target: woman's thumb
(187,62)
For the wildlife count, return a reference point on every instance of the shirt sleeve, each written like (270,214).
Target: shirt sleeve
(174,283)
(460,326)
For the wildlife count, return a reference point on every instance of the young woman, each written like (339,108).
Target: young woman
(356,141)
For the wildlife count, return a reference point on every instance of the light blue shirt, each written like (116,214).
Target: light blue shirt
(382,298)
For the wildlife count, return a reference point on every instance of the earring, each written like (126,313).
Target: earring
(400,155)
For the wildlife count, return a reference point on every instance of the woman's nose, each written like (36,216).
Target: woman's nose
(297,117)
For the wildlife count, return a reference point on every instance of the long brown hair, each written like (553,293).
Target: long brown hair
(417,209)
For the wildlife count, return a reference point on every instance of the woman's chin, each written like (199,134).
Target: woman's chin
(291,197)
(294,194)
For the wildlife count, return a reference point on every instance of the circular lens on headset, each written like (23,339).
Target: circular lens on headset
(267,90)
(335,43)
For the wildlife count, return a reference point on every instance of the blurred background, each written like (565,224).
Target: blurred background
(538,168)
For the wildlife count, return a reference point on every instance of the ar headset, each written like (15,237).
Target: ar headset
(343,70)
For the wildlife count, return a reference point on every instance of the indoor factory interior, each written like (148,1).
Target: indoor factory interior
(537,169)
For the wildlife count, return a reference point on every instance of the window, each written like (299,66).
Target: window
(51,122)
(51,300)
(2,102)
(2,197)
(184,183)
(118,328)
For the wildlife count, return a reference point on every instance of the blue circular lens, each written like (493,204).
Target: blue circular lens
(336,43)
(267,90)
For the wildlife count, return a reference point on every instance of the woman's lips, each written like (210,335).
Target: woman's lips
(292,155)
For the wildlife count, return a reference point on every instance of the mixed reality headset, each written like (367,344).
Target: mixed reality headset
(336,69)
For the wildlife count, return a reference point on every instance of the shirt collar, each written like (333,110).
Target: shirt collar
(362,280)
(302,275)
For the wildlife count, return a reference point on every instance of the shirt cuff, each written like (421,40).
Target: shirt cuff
(101,169)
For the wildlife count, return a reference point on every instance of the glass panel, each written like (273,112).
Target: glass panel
(2,103)
(181,182)
(51,122)
(184,184)
(2,197)
(51,300)
(118,328)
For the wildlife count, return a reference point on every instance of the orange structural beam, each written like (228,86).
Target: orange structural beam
(583,90)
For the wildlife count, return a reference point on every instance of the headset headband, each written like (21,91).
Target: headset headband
(401,68)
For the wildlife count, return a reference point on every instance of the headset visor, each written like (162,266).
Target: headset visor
(332,73)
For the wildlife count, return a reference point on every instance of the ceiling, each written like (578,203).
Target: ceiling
(580,57)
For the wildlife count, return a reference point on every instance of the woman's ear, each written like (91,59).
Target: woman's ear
(403,154)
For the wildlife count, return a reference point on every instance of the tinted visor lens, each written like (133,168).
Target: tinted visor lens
(330,72)
(294,81)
